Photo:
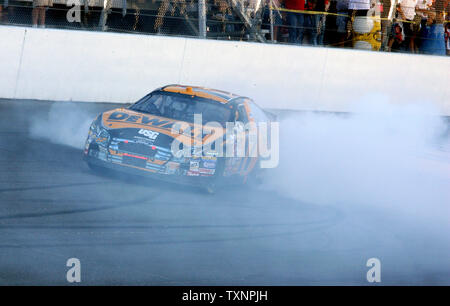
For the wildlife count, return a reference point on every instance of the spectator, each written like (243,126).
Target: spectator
(423,6)
(311,22)
(39,10)
(434,39)
(4,11)
(321,6)
(396,42)
(296,20)
(225,16)
(164,7)
(447,37)
(342,21)
(407,12)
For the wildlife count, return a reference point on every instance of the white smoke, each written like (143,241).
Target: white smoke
(66,124)
(382,155)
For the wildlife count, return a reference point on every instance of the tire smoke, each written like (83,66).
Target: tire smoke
(65,124)
(383,155)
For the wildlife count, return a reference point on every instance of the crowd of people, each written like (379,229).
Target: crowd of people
(416,26)
(38,12)
(423,28)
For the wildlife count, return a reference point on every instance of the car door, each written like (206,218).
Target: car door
(242,164)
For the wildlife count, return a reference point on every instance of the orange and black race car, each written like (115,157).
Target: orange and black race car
(141,137)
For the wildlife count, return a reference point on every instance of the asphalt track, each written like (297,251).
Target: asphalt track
(131,231)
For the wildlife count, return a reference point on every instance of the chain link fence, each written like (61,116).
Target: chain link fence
(332,23)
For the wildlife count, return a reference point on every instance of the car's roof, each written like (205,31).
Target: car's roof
(203,92)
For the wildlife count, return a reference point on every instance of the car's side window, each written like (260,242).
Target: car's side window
(142,100)
(257,113)
(241,113)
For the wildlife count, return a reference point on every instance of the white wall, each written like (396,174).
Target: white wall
(108,67)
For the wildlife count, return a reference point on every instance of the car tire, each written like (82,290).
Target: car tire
(90,164)
(94,167)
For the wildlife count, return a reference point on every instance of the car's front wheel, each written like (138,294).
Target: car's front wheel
(92,153)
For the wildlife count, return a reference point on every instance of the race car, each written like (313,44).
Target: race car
(140,138)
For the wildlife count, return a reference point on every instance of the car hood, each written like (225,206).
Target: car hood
(127,123)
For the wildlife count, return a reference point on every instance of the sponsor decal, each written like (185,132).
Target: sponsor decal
(194,165)
(148,133)
(211,154)
(209,158)
(173,165)
(146,120)
(101,140)
(142,140)
(211,164)
(207,171)
(191,173)
(102,155)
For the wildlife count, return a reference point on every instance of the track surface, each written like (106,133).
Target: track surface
(129,231)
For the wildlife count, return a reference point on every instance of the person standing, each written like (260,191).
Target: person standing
(321,6)
(341,22)
(434,34)
(395,43)
(4,11)
(447,38)
(421,15)
(39,11)
(296,20)
(310,22)
(407,11)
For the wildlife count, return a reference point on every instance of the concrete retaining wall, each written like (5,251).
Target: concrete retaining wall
(72,65)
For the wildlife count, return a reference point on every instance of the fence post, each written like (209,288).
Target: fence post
(104,15)
(124,8)
(386,21)
(271,20)
(201,19)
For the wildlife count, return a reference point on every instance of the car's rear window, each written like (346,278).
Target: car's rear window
(182,107)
